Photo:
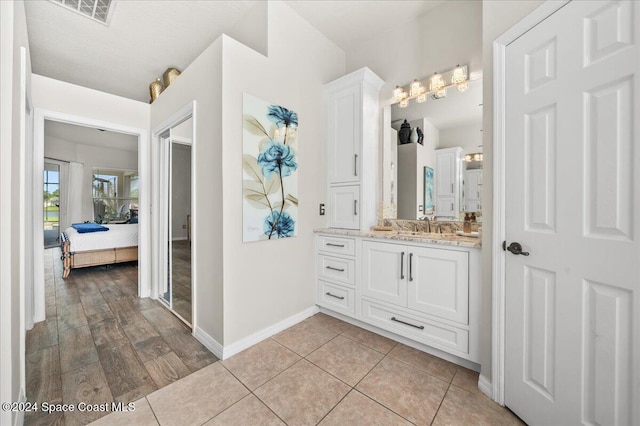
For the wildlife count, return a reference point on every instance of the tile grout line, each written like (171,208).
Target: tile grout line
(251,392)
(371,398)
(442,400)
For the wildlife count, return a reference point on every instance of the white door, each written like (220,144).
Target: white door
(573,202)
(384,272)
(344,135)
(445,173)
(344,208)
(439,283)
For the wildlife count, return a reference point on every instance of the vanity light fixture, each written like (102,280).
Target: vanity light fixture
(437,84)
(476,156)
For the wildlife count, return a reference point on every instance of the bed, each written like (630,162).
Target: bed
(80,250)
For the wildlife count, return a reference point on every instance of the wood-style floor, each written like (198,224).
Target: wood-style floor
(181,274)
(100,343)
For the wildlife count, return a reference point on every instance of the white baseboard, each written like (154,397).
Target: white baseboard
(485,386)
(265,333)
(208,341)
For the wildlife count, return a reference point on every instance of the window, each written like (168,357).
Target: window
(115,195)
(105,186)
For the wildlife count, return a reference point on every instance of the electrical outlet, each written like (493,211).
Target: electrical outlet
(321,209)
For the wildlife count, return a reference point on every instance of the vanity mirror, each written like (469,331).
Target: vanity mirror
(433,178)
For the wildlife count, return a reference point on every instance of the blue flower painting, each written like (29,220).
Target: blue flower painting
(270,171)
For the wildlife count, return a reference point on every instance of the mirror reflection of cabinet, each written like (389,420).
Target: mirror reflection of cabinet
(473,190)
(449,122)
(448,177)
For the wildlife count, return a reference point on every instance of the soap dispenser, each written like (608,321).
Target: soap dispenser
(466,226)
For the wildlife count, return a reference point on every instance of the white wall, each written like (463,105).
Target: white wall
(181,190)
(497,17)
(59,96)
(448,35)
(91,157)
(469,138)
(269,281)
(13,36)
(202,81)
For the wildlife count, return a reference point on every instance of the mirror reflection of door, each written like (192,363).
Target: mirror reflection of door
(51,204)
(176,290)
(180,229)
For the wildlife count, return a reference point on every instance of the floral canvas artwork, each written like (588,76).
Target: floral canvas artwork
(270,171)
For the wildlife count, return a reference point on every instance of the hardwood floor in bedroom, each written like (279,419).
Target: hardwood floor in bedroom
(100,343)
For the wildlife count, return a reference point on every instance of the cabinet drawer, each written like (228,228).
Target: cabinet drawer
(337,245)
(336,297)
(434,334)
(336,269)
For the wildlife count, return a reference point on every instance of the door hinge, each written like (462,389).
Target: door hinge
(504,246)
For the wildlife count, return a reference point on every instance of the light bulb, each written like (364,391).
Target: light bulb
(416,89)
(436,82)
(462,87)
(459,75)
(398,94)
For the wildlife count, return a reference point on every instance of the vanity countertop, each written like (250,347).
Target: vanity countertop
(418,237)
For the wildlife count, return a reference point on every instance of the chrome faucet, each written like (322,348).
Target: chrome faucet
(426,219)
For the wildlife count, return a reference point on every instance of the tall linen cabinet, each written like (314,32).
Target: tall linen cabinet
(352,158)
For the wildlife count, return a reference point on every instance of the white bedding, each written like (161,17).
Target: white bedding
(125,235)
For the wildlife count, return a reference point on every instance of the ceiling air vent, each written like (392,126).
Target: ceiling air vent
(98,10)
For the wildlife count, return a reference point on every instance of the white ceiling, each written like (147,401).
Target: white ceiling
(143,39)
(456,110)
(146,37)
(90,136)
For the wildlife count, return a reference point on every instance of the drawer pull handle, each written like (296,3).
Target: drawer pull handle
(421,327)
(333,295)
(402,266)
(334,245)
(334,269)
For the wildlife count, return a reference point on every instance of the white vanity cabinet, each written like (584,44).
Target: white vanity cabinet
(425,292)
(429,280)
(448,182)
(336,273)
(352,156)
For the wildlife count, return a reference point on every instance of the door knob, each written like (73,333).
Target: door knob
(516,248)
